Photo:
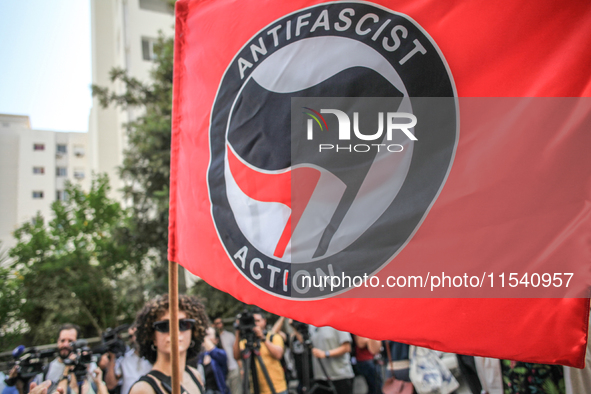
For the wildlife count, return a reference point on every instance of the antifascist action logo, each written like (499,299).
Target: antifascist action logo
(332,133)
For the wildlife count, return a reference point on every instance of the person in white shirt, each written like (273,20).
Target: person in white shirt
(128,368)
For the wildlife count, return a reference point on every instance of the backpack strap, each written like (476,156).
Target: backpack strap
(45,370)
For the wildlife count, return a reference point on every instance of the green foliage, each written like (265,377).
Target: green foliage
(10,293)
(68,269)
(146,172)
(217,303)
(146,164)
(520,370)
(550,387)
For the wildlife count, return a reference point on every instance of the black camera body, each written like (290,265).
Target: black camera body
(245,326)
(29,362)
(300,327)
(111,342)
(82,357)
(245,321)
(303,329)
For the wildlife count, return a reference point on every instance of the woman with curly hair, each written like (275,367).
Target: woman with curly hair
(153,338)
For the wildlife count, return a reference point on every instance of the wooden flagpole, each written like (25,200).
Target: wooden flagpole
(173,302)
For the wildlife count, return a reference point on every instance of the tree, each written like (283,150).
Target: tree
(67,269)
(146,168)
(217,303)
(10,326)
(146,163)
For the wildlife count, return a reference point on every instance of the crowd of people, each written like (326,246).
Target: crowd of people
(254,358)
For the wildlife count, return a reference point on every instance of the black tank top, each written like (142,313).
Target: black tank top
(210,382)
(165,381)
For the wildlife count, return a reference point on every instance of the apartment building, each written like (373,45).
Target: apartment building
(34,168)
(123,36)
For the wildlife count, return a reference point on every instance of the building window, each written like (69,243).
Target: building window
(79,173)
(61,171)
(39,170)
(78,150)
(61,149)
(148,49)
(61,195)
(38,146)
(157,6)
(37,194)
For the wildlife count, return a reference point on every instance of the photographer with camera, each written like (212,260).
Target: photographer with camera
(332,360)
(28,363)
(15,384)
(302,357)
(57,370)
(73,371)
(252,338)
(128,367)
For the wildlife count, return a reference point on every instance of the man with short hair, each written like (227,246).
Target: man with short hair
(56,370)
(227,340)
(271,350)
(128,368)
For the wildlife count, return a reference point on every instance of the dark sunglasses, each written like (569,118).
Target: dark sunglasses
(164,325)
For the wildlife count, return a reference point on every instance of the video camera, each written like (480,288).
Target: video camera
(29,362)
(304,330)
(83,357)
(111,342)
(300,327)
(245,325)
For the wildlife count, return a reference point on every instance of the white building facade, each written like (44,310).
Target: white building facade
(34,168)
(123,36)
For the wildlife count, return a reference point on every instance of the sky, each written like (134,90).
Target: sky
(45,62)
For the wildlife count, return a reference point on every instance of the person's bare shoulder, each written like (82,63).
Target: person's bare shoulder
(142,388)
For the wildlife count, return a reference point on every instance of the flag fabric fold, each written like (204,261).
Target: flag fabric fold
(513,192)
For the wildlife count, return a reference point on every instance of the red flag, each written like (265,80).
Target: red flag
(465,211)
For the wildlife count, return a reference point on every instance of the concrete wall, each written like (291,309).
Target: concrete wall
(9,158)
(18,180)
(118,27)
(28,182)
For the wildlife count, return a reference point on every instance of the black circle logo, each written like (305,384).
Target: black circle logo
(302,186)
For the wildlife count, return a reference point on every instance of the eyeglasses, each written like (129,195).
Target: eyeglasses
(164,325)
